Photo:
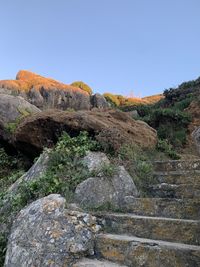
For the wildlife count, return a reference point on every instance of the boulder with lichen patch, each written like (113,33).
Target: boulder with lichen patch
(46,234)
(12,108)
(102,190)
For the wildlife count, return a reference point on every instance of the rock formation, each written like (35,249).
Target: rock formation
(47,93)
(13,108)
(46,234)
(111,129)
(100,191)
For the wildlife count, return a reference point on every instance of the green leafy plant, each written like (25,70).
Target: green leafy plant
(138,165)
(64,172)
(3,242)
(167,148)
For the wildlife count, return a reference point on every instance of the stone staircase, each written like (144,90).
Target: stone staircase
(161,230)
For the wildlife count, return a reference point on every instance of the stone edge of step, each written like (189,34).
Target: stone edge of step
(149,242)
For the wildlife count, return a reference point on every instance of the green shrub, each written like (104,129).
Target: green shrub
(170,124)
(3,242)
(83,86)
(65,171)
(112,99)
(4,158)
(167,148)
(138,165)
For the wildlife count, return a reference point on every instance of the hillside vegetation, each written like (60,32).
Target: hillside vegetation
(171,116)
(120,101)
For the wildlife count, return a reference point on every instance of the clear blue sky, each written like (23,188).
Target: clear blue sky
(118,46)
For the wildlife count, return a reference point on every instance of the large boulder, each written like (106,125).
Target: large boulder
(102,190)
(35,172)
(12,108)
(111,128)
(99,101)
(95,161)
(46,234)
(196,138)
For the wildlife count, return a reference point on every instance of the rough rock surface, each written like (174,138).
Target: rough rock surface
(111,128)
(99,191)
(38,168)
(15,107)
(99,101)
(32,174)
(48,93)
(96,263)
(95,161)
(196,138)
(46,234)
(36,171)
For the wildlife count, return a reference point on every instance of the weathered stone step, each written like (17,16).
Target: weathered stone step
(163,207)
(139,252)
(165,190)
(168,229)
(180,177)
(96,263)
(176,165)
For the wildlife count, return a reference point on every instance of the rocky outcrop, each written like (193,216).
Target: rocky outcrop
(13,108)
(112,129)
(102,190)
(99,101)
(34,173)
(95,161)
(46,234)
(48,93)
(96,192)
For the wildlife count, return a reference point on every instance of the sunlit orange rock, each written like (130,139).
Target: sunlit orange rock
(46,92)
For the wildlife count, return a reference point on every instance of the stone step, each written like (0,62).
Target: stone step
(160,228)
(180,177)
(176,165)
(139,252)
(165,190)
(96,263)
(163,207)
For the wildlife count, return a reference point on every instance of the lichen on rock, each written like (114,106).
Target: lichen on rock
(46,234)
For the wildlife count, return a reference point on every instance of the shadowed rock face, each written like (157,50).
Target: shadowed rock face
(47,93)
(111,129)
